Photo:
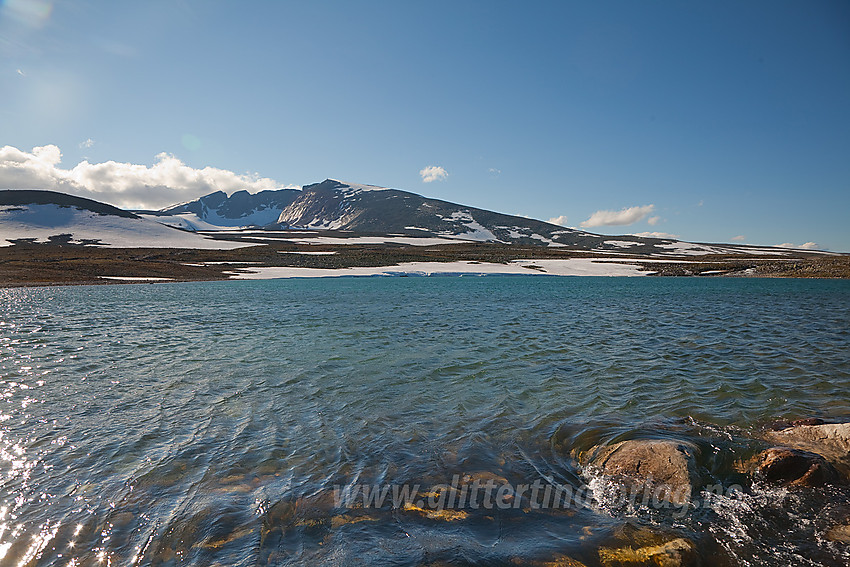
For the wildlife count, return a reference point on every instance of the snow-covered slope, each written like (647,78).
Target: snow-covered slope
(186,221)
(45,216)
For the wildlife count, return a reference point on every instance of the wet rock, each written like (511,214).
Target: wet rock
(667,467)
(808,421)
(483,478)
(830,440)
(558,561)
(782,465)
(436,514)
(679,552)
(839,533)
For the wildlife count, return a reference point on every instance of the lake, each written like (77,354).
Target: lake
(216,423)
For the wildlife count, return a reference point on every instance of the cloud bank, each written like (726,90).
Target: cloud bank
(806,246)
(127,185)
(655,235)
(433,173)
(561,220)
(622,217)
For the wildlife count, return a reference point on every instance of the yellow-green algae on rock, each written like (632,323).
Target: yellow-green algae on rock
(679,552)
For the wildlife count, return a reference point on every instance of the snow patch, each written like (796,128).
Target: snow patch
(410,240)
(257,217)
(40,222)
(565,267)
(186,221)
(135,279)
(515,232)
(354,188)
(476,231)
(688,249)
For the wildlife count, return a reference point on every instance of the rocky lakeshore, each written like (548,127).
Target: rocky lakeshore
(664,498)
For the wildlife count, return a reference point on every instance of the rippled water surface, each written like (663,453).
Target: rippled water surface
(207,424)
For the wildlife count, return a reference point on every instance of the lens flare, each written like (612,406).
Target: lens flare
(34,13)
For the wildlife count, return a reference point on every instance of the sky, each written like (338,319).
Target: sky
(720,121)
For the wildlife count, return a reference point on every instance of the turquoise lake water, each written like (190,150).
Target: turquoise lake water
(207,423)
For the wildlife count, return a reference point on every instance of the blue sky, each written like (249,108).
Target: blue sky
(709,121)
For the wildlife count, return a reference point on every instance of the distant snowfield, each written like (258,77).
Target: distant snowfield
(213,221)
(565,267)
(354,188)
(409,240)
(135,279)
(43,221)
(187,221)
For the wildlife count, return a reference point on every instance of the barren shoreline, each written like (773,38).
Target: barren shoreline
(60,264)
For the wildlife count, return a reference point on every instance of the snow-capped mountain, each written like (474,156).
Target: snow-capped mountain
(217,210)
(391,216)
(28,216)
(338,205)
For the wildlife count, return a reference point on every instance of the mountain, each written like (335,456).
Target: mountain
(337,205)
(376,214)
(29,216)
(217,210)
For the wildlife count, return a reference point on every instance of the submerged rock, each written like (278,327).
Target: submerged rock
(782,465)
(830,440)
(559,561)
(667,467)
(839,533)
(808,421)
(436,514)
(679,552)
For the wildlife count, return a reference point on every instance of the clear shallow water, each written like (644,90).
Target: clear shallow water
(205,423)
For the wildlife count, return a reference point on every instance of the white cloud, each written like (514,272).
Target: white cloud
(806,246)
(133,186)
(739,238)
(433,173)
(87,144)
(495,172)
(561,220)
(626,216)
(655,235)
(653,220)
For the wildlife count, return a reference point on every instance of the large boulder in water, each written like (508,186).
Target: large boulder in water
(830,440)
(667,467)
(786,466)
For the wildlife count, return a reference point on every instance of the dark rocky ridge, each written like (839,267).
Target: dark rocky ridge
(239,205)
(39,197)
